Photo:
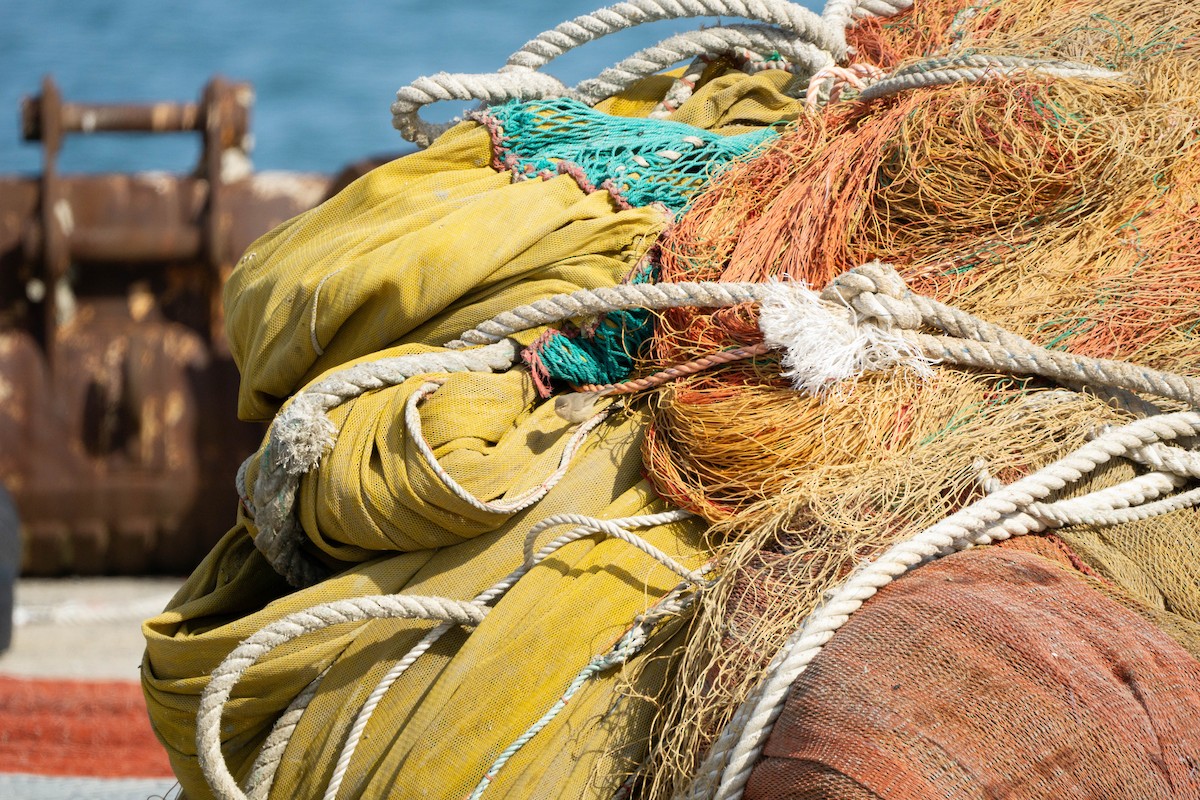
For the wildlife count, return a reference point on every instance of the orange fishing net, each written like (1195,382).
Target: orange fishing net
(990,673)
(1066,211)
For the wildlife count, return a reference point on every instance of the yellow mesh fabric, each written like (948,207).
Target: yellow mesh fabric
(472,694)
(434,243)
(401,261)
(418,251)
(1153,560)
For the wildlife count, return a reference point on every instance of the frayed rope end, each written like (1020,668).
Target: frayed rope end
(824,345)
(301,435)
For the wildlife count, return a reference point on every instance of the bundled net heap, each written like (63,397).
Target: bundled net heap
(1063,210)
(814,421)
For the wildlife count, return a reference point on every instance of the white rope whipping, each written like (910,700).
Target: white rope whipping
(302,433)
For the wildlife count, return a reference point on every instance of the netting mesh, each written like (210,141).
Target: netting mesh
(1064,210)
(401,261)
(644,160)
(947,683)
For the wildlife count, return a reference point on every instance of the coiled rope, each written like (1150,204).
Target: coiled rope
(449,612)
(230,670)
(795,33)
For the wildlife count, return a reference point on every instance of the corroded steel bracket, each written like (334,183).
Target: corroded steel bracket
(117,392)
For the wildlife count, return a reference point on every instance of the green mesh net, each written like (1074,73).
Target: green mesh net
(643,160)
(604,353)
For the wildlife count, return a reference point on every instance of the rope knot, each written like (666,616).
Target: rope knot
(877,293)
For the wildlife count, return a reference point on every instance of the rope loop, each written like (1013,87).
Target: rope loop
(1001,514)
(784,30)
(220,686)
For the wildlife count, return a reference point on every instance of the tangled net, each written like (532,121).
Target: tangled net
(1065,210)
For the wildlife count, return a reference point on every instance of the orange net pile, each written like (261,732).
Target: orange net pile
(1066,210)
(881,715)
(1062,209)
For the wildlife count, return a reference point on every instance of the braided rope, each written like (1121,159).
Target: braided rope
(843,14)
(791,17)
(875,294)
(220,686)
(261,778)
(976,69)
(488,596)
(587,526)
(521,84)
(676,372)
(805,57)
(682,88)
(827,84)
(1166,458)
(590,302)
(630,644)
(997,516)
(412,419)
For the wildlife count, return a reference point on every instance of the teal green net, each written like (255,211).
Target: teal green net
(605,354)
(643,160)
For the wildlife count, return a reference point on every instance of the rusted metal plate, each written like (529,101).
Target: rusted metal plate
(118,431)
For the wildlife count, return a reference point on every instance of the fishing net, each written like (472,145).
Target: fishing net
(882,714)
(1062,209)
(424,493)
(645,161)
(1032,170)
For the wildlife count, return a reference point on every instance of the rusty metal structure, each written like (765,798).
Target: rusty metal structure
(117,391)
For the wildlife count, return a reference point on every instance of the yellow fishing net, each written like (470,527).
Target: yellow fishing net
(403,260)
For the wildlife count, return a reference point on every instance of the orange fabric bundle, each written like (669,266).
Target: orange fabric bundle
(991,673)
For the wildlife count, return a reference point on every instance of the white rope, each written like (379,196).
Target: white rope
(412,419)
(790,29)
(590,302)
(979,68)
(261,778)
(587,526)
(590,525)
(999,515)
(883,329)
(844,14)
(220,686)
(806,58)
(631,643)
(302,432)
(791,17)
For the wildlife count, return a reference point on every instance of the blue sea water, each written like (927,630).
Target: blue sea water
(324,72)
